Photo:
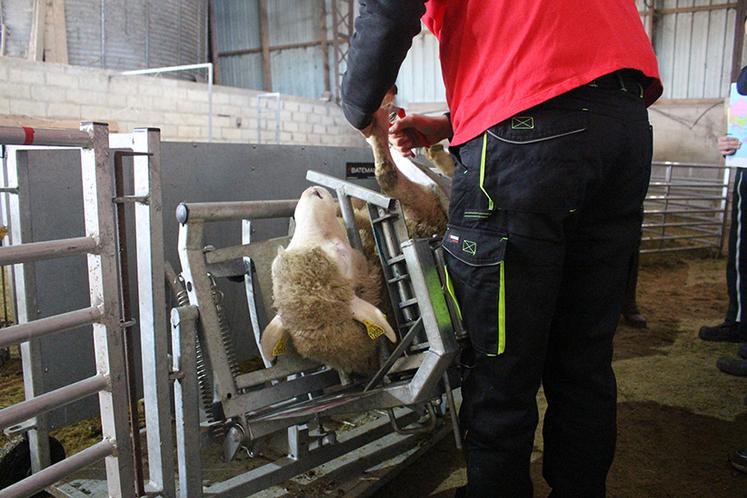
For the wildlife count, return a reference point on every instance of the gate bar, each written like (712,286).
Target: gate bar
(51,400)
(224,211)
(24,135)
(34,251)
(23,332)
(50,475)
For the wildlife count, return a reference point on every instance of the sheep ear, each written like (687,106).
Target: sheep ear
(274,341)
(372,317)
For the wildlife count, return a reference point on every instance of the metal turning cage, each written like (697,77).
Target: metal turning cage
(285,404)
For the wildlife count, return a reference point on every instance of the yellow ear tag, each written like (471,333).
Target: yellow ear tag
(373,330)
(281,347)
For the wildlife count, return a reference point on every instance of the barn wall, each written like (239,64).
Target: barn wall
(695,49)
(179,108)
(118,34)
(295,70)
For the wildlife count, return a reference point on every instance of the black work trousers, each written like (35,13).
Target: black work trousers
(736,265)
(545,212)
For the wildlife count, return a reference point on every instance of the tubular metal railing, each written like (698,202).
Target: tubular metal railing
(686,207)
(99,244)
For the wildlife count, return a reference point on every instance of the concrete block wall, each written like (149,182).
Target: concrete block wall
(688,132)
(179,108)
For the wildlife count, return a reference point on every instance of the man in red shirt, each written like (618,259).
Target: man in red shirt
(549,126)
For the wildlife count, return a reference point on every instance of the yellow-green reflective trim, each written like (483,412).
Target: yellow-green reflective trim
(450,290)
(482,170)
(502,311)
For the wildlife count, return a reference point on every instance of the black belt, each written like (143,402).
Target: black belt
(626,80)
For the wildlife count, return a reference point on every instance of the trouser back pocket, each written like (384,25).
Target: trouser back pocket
(476,278)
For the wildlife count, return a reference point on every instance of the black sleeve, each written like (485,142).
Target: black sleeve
(383,35)
(742,82)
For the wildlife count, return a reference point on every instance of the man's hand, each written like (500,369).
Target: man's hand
(417,130)
(728,145)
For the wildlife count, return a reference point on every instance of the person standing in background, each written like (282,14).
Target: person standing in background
(734,326)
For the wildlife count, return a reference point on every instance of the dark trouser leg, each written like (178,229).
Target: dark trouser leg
(568,177)
(630,305)
(580,422)
(736,266)
(731,263)
(499,411)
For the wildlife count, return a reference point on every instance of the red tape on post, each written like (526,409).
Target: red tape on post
(29,135)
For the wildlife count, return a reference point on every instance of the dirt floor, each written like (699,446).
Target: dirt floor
(678,418)
(678,415)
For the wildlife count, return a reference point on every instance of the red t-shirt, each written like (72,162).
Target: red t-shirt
(500,57)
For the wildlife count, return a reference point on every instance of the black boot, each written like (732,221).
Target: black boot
(724,332)
(635,319)
(742,351)
(738,460)
(732,366)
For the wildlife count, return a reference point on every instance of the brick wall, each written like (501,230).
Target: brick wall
(45,91)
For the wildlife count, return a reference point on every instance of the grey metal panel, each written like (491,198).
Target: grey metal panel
(61,286)
(716,57)
(729,35)
(16,15)
(420,78)
(191,172)
(698,50)
(298,71)
(237,28)
(124,35)
(681,61)
(291,21)
(175,31)
(136,33)
(237,24)
(243,71)
(83,19)
(695,50)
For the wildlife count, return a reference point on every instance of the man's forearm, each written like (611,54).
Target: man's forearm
(383,35)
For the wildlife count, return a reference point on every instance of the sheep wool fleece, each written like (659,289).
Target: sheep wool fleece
(312,298)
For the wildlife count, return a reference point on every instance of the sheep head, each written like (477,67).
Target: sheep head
(314,290)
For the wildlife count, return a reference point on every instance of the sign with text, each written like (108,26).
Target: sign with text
(360,171)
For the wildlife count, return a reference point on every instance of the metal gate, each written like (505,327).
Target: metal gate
(686,207)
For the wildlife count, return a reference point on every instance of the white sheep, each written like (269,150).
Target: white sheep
(325,293)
